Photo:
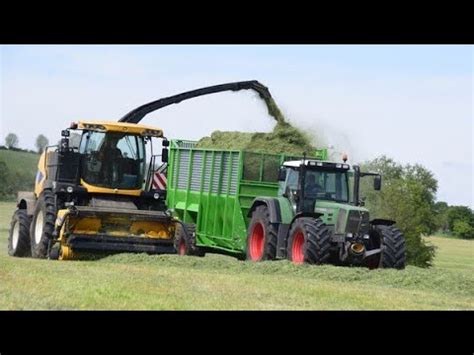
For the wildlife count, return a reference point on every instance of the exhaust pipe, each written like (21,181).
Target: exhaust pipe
(357,249)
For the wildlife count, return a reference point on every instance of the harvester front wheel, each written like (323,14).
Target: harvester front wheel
(309,242)
(185,241)
(42,224)
(392,242)
(19,238)
(262,236)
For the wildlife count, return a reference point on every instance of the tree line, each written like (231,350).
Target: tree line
(12,142)
(12,181)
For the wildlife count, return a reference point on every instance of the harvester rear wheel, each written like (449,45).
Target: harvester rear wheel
(392,243)
(262,236)
(19,237)
(42,224)
(309,241)
(185,243)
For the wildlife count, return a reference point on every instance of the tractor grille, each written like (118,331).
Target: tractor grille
(358,222)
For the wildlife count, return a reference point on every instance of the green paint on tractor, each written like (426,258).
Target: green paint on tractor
(269,206)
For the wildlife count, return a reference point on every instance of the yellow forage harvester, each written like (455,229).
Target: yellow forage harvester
(95,192)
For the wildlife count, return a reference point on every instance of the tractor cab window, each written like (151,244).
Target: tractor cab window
(290,187)
(326,185)
(112,160)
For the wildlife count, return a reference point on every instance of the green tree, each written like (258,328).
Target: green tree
(459,213)
(461,221)
(463,229)
(11,140)
(41,143)
(407,196)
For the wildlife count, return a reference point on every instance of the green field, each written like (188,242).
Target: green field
(20,161)
(128,281)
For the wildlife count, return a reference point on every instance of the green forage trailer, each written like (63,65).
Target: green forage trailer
(272,206)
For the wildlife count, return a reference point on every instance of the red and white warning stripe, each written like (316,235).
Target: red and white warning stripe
(159,178)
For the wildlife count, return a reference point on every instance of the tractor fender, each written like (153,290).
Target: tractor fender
(382,221)
(305,214)
(272,205)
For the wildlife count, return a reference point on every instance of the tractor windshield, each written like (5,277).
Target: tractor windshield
(112,160)
(326,185)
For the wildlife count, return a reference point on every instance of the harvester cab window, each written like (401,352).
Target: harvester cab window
(113,160)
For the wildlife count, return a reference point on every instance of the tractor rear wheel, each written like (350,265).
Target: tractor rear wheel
(42,224)
(309,241)
(262,236)
(19,237)
(392,243)
(185,241)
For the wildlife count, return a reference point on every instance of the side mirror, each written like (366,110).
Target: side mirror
(65,133)
(164,155)
(282,174)
(165,143)
(295,194)
(64,145)
(377,182)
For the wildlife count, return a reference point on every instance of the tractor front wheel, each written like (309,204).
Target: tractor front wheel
(309,242)
(392,242)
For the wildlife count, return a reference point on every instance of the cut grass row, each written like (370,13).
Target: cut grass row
(139,281)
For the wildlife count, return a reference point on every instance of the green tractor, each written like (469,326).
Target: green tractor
(313,219)
(265,207)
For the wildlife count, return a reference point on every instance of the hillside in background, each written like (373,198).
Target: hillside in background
(17,172)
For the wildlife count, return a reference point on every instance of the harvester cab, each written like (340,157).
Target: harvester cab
(94,192)
(329,221)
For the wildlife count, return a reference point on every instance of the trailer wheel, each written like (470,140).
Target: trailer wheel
(262,236)
(185,243)
(19,237)
(42,224)
(309,242)
(392,242)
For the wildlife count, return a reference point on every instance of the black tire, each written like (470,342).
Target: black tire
(261,236)
(54,253)
(19,236)
(392,242)
(185,243)
(45,208)
(312,240)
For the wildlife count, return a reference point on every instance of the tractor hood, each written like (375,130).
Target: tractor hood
(345,218)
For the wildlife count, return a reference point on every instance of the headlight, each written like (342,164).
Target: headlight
(70,189)
(341,222)
(156,195)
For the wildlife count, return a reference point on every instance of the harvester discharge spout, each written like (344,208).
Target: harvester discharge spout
(136,115)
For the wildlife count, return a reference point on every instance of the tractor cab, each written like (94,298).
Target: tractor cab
(305,183)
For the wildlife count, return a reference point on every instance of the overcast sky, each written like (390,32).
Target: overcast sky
(411,103)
